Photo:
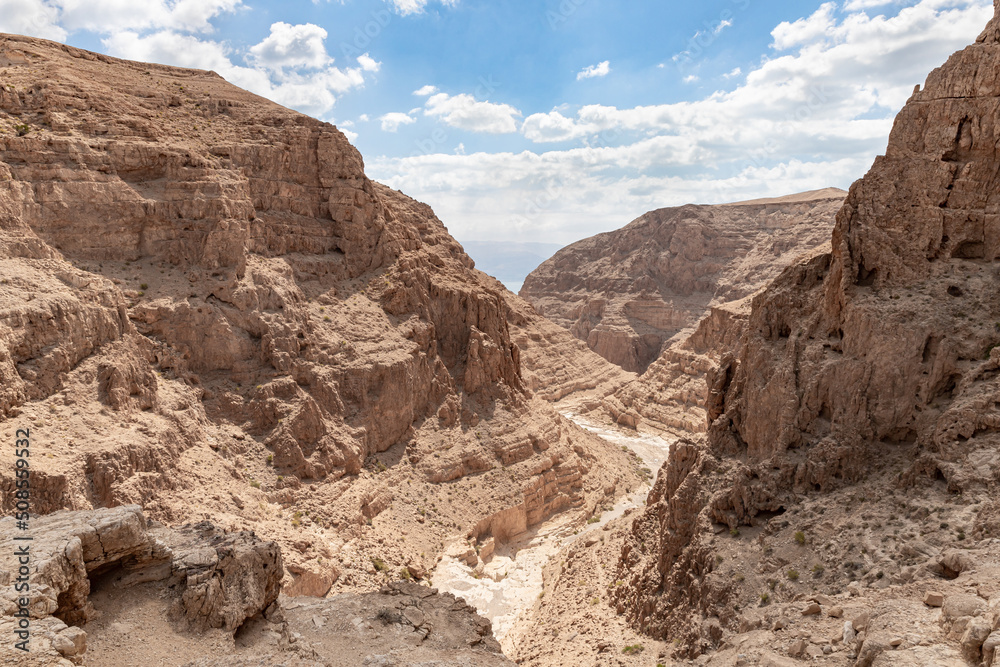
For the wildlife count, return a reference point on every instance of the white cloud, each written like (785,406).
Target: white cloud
(368,63)
(391,122)
(552,126)
(290,78)
(405,7)
(812,114)
(810,30)
(733,74)
(425,91)
(351,136)
(593,71)
(31,17)
(464,112)
(292,46)
(691,78)
(108,17)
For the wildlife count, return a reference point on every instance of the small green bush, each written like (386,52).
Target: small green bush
(793,574)
(800,537)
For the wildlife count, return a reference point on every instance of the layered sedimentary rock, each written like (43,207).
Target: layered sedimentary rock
(626,293)
(214,580)
(873,367)
(207,309)
(209,598)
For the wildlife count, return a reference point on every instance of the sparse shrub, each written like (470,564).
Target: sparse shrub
(818,569)
(800,537)
(793,574)
(734,532)
(22,129)
(634,649)
(404,573)
(254,483)
(270,458)
(144,286)
(764,599)
(379,565)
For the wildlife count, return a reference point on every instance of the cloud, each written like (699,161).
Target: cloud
(733,74)
(551,127)
(31,17)
(295,71)
(391,122)
(425,91)
(368,63)
(466,113)
(810,30)
(813,113)
(292,46)
(593,71)
(107,17)
(405,7)
(691,78)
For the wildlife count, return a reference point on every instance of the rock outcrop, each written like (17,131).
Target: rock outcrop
(867,377)
(207,309)
(403,624)
(216,580)
(626,293)
(214,598)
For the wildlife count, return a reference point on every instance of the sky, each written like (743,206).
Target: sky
(552,120)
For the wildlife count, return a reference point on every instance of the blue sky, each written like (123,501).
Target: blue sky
(554,120)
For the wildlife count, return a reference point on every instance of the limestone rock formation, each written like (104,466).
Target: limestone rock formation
(868,375)
(626,293)
(213,597)
(217,580)
(403,624)
(207,309)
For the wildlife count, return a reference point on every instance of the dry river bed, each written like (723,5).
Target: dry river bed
(512,580)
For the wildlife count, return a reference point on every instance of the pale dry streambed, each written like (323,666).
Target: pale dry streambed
(512,580)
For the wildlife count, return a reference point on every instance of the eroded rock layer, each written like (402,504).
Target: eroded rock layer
(629,291)
(207,309)
(875,368)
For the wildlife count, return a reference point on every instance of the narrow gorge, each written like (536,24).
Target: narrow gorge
(277,416)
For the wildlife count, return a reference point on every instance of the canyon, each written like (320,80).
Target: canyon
(209,311)
(271,402)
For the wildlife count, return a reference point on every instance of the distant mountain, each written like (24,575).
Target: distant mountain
(509,262)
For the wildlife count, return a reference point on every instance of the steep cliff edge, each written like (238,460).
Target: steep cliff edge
(207,309)
(860,410)
(625,293)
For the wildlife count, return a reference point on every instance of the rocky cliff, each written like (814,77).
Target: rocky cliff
(136,592)
(207,309)
(858,412)
(626,293)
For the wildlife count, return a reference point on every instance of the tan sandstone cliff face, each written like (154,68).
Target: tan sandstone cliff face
(208,309)
(628,292)
(867,377)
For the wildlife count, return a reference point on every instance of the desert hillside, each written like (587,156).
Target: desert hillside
(844,506)
(627,292)
(208,310)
